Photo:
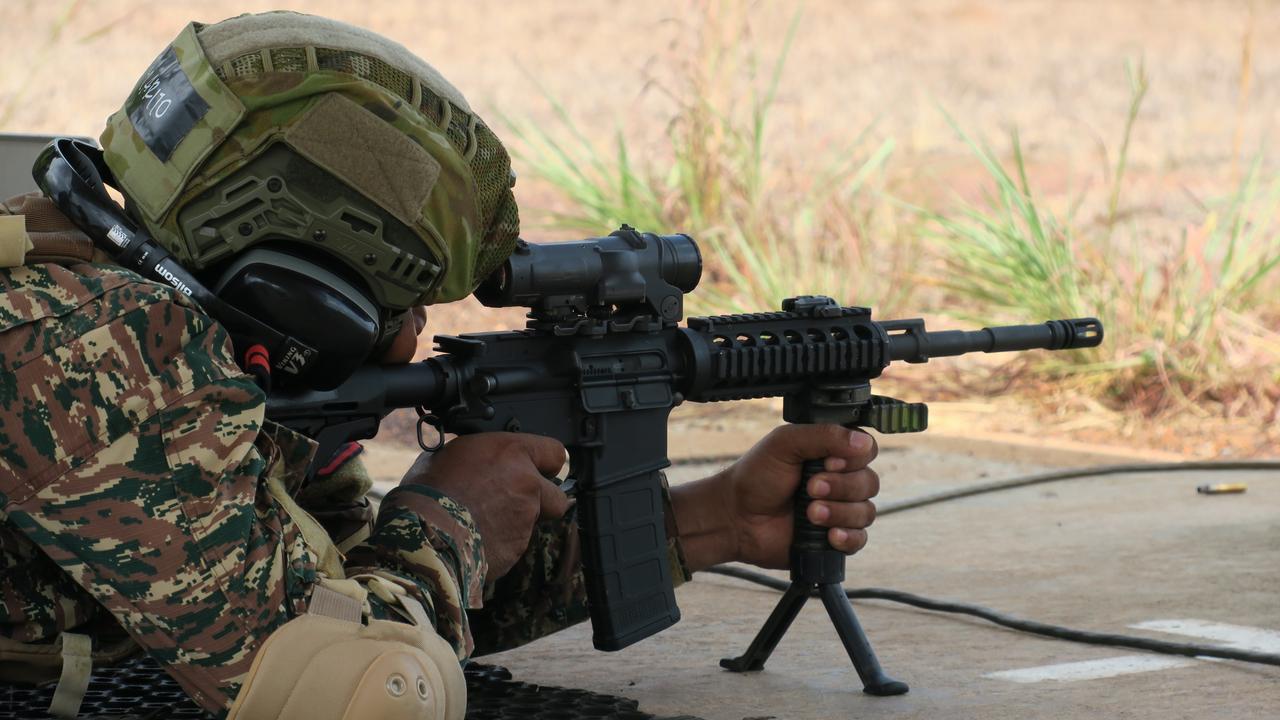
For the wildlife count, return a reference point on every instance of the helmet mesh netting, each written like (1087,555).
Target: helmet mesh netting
(366,68)
(289,60)
(432,106)
(247,65)
(491,167)
(490,163)
(343,61)
(457,130)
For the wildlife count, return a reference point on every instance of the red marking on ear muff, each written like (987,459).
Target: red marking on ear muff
(257,362)
(257,357)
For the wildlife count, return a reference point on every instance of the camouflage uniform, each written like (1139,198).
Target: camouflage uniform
(134,469)
(141,488)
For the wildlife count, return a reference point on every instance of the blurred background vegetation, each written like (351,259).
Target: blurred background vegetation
(971,162)
(1192,311)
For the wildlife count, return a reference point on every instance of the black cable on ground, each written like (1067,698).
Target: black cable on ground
(1072,474)
(1029,626)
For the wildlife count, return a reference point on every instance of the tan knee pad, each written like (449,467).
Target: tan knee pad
(322,668)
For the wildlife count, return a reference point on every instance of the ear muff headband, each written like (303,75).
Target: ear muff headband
(73,175)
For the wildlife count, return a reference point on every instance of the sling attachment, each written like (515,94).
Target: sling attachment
(77,667)
(425,420)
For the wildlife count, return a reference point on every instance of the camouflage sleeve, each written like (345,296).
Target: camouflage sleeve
(545,593)
(429,543)
(37,599)
(131,455)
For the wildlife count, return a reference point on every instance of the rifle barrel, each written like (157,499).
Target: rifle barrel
(420,384)
(914,344)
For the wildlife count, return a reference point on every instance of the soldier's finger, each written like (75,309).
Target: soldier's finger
(853,486)
(848,515)
(553,503)
(547,454)
(846,540)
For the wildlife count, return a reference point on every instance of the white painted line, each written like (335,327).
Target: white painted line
(1239,637)
(1092,669)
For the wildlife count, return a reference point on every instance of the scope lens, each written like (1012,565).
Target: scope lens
(681,261)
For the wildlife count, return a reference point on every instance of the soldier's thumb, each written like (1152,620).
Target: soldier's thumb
(813,442)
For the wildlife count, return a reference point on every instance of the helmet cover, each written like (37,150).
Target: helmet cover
(284,128)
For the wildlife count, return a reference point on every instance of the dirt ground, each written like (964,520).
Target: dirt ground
(1055,70)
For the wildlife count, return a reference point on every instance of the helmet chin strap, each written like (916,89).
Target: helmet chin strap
(73,175)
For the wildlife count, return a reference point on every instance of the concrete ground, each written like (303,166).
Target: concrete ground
(1103,554)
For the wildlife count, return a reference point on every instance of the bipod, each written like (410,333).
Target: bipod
(816,569)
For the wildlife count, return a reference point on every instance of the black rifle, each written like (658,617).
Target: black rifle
(599,367)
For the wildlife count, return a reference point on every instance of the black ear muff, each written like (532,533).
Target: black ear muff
(292,321)
(302,299)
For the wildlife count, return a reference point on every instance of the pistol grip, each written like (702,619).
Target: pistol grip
(624,558)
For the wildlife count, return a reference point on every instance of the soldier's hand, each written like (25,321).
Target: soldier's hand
(744,513)
(501,478)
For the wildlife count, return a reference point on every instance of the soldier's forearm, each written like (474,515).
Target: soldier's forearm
(706,534)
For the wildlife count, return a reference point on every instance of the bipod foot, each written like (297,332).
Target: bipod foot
(772,631)
(840,610)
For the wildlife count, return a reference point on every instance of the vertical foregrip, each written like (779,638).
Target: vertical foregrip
(807,535)
(624,557)
(813,559)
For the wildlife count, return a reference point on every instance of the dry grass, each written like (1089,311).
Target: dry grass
(1190,318)
(770,226)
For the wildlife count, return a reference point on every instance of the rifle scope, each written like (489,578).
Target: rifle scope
(908,340)
(623,268)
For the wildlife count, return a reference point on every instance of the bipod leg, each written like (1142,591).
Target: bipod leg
(774,628)
(874,681)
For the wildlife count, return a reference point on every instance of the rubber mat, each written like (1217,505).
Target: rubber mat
(139,690)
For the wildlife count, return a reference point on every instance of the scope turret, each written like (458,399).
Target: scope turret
(627,270)
(909,341)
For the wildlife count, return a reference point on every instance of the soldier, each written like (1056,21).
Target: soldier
(145,500)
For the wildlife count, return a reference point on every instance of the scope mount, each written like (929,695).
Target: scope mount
(597,320)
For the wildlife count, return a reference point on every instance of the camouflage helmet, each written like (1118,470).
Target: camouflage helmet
(289,128)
